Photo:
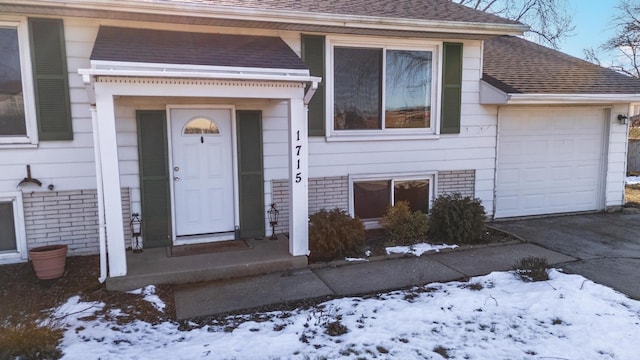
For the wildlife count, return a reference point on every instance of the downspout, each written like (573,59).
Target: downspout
(312,90)
(101,219)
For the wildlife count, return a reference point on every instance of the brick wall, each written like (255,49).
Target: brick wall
(324,193)
(68,217)
(460,181)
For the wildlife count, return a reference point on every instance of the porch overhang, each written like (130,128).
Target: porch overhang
(117,70)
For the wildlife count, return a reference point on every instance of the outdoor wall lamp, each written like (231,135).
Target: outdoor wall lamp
(136,231)
(273,221)
(623,119)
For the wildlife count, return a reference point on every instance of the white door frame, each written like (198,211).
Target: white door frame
(234,160)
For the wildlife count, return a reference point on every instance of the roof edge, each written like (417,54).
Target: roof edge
(293,17)
(491,95)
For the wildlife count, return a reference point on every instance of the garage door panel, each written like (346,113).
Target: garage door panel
(560,174)
(549,161)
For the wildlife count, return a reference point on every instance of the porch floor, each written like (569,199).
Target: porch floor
(153,266)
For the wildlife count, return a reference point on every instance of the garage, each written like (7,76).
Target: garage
(550,160)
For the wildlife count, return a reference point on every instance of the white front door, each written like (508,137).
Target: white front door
(202,167)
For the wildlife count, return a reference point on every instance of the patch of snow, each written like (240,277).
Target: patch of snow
(499,317)
(418,249)
(66,313)
(149,293)
(632,180)
(350,259)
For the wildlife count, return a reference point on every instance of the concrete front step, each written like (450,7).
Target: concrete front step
(153,266)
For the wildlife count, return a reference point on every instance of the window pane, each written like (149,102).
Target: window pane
(415,192)
(7,228)
(371,198)
(201,126)
(12,121)
(357,88)
(408,89)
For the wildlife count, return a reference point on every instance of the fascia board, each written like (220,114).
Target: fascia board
(88,73)
(533,99)
(164,67)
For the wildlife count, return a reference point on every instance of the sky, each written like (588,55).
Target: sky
(593,22)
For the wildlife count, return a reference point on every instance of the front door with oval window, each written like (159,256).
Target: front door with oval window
(202,172)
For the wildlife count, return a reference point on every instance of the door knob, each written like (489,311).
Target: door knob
(176,178)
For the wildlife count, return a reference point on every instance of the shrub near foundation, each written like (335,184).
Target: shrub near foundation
(404,227)
(334,235)
(457,220)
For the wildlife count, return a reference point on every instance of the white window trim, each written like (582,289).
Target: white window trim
(20,255)
(386,44)
(31,124)
(373,223)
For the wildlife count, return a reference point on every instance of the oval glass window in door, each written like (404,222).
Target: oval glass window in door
(200,126)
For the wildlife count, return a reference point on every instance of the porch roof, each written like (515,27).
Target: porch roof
(130,45)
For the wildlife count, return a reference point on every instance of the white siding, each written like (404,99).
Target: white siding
(616,158)
(67,165)
(473,148)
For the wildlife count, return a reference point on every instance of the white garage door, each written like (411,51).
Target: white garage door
(549,161)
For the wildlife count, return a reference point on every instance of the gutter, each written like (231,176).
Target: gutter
(490,95)
(86,73)
(532,99)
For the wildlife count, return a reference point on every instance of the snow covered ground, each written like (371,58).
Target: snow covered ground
(632,180)
(493,317)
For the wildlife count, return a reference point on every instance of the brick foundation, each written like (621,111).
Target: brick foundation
(333,192)
(460,181)
(324,193)
(68,217)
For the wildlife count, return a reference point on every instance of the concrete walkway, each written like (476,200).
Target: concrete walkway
(606,246)
(352,279)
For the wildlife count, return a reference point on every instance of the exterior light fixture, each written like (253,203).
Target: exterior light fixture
(623,119)
(136,231)
(273,221)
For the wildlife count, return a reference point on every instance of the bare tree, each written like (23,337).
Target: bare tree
(624,46)
(549,20)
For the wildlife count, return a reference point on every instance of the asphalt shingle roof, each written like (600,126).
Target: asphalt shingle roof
(435,10)
(518,66)
(188,48)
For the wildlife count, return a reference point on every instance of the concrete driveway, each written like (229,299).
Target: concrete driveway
(607,246)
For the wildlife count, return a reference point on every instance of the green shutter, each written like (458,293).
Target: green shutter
(154,178)
(51,82)
(313,55)
(451,88)
(250,171)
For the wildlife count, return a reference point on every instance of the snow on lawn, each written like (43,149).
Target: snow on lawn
(491,317)
(149,293)
(418,249)
(632,180)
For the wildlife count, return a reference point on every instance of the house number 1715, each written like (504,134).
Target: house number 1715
(298,148)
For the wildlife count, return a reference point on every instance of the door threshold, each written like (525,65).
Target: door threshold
(204,238)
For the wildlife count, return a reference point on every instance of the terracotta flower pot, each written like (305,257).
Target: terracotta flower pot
(49,261)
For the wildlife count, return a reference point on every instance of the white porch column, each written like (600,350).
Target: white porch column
(111,182)
(298,179)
